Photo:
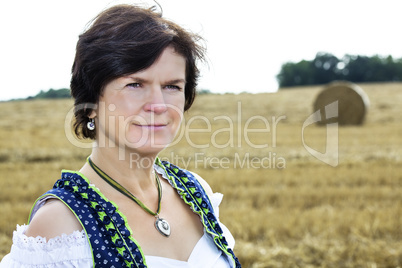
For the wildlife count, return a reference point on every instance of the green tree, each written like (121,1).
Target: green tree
(296,74)
(53,94)
(326,68)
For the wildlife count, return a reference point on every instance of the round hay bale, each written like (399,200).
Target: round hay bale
(353,103)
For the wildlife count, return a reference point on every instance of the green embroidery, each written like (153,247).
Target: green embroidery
(129,264)
(110,226)
(115,237)
(93,204)
(121,250)
(102,215)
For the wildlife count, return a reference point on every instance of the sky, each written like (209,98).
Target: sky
(247,41)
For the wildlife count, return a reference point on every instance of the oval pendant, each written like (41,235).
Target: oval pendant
(162,226)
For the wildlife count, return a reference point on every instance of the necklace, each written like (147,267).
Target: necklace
(161,225)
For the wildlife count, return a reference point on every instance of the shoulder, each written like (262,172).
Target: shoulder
(53,219)
(203,183)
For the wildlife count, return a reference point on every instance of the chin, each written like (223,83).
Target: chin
(155,145)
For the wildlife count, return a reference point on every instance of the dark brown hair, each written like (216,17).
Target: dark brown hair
(125,39)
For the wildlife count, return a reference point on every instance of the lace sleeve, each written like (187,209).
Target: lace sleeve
(64,251)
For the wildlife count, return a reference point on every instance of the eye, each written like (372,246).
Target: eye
(134,85)
(173,87)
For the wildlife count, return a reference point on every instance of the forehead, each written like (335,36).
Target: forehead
(168,64)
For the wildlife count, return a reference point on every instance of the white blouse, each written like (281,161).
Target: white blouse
(73,250)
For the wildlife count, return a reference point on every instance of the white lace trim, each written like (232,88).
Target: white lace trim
(77,238)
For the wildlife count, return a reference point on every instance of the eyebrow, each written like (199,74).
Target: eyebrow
(176,81)
(141,80)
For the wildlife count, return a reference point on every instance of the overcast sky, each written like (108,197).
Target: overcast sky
(247,41)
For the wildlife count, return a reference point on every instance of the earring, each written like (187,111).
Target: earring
(91,124)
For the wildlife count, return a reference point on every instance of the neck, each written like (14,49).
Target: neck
(134,171)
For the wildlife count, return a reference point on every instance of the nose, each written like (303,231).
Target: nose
(156,102)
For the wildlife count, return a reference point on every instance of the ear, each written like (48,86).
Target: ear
(93,114)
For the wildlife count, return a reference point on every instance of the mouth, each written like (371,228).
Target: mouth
(151,126)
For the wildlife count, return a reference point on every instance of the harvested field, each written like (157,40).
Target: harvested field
(285,207)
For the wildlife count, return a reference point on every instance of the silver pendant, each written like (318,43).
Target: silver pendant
(162,226)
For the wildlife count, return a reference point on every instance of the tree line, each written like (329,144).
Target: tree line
(326,67)
(62,93)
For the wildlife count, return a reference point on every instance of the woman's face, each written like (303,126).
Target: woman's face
(143,111)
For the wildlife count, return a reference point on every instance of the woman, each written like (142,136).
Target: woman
(133,76)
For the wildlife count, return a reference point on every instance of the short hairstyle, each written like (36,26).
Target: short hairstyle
(121,40)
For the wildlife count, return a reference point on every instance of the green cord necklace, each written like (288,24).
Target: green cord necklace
(161,225)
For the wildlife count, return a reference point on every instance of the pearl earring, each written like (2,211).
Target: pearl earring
(91,124)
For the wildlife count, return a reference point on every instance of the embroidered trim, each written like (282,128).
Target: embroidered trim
(77,238)
(193,196)
(108,213)
(74,190)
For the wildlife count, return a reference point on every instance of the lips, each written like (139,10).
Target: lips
(151,125)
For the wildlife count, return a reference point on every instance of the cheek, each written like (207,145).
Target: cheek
(175,104)
(112,116)
(181,102)
(177,111)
